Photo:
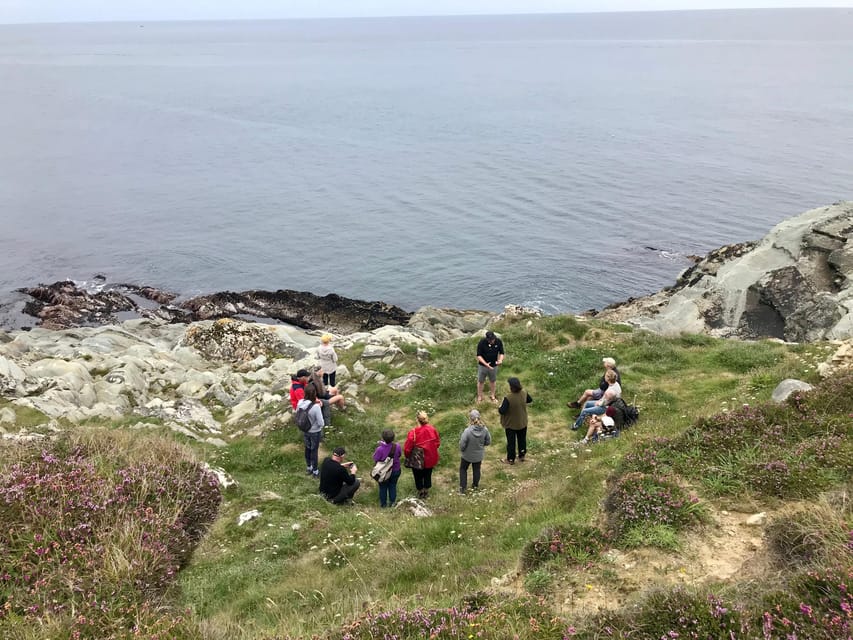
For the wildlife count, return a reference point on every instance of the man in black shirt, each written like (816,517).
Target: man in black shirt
(490,355)
(338,483)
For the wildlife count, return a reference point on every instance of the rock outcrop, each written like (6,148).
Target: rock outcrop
(66,304)
(794,285)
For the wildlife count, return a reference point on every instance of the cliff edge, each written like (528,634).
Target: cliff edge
(795,285)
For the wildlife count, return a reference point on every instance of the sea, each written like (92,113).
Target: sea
(560,161)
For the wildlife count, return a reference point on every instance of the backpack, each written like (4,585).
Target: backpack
(632,414)
(382,470)
(302,420)
(623,414)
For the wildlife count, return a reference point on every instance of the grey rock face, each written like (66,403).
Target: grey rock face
(794,285)
(787,387)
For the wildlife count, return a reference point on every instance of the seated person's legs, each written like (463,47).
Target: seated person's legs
(347,492)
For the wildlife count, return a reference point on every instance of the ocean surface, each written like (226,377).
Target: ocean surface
(563,161)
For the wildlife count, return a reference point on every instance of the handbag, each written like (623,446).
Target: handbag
(415,459)
(382,470)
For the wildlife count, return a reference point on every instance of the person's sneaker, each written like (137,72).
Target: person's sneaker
(474,487)
(309,470)
(461,491)
(574,404)
(575,427)
(316,473)
(584,441)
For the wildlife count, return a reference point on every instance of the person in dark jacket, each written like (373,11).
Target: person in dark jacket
(513,412)
(338,483)
(490,356)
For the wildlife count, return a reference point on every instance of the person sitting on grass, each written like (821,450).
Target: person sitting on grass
(599,426)
(595,394)
(598,407)
(328,395)
(338,483)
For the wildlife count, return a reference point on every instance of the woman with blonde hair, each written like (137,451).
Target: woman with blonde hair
(421,451)
(328,360)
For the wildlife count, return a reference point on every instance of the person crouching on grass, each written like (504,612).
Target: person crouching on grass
(338,483)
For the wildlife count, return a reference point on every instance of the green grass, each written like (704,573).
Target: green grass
(308,568)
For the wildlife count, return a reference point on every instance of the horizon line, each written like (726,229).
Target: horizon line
(416,16)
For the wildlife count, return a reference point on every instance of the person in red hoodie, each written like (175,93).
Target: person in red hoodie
(426,438)
(297,387)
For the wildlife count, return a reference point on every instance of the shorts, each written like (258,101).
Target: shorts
(596,395)
(485,372)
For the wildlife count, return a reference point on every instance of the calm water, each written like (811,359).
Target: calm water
(464,162)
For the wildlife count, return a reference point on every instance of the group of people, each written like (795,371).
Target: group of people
(419,452)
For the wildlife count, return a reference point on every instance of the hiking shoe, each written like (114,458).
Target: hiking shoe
(461,491)
(574,404)
(584,441)
(575,427)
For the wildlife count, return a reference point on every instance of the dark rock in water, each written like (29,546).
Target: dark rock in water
(64,304)
(299,308)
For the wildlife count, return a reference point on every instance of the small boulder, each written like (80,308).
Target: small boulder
(787,387)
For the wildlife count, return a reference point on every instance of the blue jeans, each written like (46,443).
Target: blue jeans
(312,448)
(589,409)
(388,490)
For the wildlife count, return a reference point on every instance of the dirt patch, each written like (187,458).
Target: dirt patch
(727,549)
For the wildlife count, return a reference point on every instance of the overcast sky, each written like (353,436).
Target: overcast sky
(85,10)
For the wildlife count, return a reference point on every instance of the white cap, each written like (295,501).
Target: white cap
(607,421)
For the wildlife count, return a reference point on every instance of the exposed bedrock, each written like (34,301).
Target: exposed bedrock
(64,304)
(795,284)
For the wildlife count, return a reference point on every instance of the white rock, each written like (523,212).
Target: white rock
(246,516)
(222,477)
(756,520)
(7,416)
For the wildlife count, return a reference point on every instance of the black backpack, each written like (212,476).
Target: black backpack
(624,415)
(303,422)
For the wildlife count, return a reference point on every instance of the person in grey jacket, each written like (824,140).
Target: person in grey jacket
(472,444)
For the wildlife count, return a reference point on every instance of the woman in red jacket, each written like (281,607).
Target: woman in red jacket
(425,437)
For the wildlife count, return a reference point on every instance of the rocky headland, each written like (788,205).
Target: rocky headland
(794,285)
(218,366)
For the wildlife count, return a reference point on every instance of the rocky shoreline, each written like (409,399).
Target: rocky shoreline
(218,366)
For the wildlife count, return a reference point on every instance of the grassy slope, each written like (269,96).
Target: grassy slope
(305,567)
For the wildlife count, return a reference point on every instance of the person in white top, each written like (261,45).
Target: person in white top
(598,407)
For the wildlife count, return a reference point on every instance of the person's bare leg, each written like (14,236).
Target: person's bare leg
(492,386)
(479,391)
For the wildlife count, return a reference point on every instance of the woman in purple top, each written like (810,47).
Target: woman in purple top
(386,447)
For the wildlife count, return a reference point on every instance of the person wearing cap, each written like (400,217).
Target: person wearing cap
(595,394)
(472,444)
(327,359)
(297,386)
(490,355)
(338,483)
(598,427)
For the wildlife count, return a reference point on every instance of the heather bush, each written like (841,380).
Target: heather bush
(670,614)
(572,543)
(638,500)
(521,618)
(95,547)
